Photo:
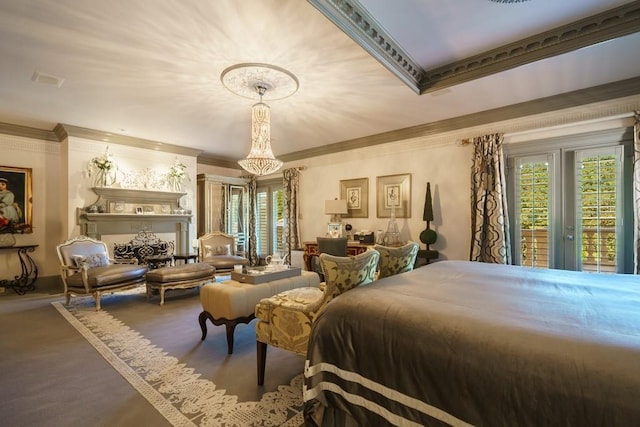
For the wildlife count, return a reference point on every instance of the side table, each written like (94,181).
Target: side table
(156,261)
(185,257)
(25,281)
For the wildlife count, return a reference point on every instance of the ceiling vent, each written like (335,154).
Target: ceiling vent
(47,79)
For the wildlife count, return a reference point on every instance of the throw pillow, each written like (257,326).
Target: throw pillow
(92,260)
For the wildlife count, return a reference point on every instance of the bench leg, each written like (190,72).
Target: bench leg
(202,319)
(261,353)
(162,295)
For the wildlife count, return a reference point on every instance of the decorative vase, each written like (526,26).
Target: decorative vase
(7,240)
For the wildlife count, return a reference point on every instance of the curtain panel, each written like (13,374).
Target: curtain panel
(252,188)
(489,221)
(636,193)
(291,232)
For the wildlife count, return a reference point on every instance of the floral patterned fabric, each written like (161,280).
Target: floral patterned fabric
(396,260)
(285,319)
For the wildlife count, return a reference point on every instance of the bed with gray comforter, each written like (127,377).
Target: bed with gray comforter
(464,343)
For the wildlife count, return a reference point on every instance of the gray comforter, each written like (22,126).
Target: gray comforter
(465,343)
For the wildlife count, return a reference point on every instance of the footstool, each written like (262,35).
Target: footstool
(179,277)
(230,302)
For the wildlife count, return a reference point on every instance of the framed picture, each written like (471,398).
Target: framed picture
(16,198)
(139,210)
(356,193)
(394,191)
(334,230)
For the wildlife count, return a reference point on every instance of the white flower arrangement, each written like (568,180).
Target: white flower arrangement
(177,173)
(101,166)
(102,163)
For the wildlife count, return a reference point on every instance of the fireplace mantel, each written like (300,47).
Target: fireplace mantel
(128,211)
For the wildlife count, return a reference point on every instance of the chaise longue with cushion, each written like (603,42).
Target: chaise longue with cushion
(219,250)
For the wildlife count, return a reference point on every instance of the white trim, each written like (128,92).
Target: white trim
(383,390)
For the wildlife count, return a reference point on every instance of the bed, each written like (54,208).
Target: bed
(464,343)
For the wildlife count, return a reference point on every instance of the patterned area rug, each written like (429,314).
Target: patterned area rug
(173,388)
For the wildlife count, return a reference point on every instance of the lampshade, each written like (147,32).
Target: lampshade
(260,160)
(335,207)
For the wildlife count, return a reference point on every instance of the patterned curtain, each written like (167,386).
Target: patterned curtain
(489,220)
(291,231)
(636,193)
(252,187)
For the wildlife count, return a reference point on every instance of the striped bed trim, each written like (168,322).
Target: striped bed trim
(410,402)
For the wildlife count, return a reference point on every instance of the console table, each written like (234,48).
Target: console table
(311,248)
(25,281)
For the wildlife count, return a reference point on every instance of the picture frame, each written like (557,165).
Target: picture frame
(16,197)
(390,190)
(356,193)
(139,210)
(334,229)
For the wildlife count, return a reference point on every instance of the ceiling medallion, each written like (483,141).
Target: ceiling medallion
(266,82)
(243,79)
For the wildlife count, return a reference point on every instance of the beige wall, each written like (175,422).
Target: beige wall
(445,165)
(60,182)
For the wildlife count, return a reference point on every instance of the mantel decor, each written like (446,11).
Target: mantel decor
(394,194)
(356,193)
(15,200)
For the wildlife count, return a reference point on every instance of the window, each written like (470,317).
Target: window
(567,200)
(269,217)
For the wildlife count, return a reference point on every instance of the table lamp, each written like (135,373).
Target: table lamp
(335,208)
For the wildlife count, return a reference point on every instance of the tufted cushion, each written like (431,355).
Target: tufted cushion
(397,260)
(180,273)
(109,275)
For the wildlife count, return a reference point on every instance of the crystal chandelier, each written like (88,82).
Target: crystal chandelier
(270,82)
(260,160)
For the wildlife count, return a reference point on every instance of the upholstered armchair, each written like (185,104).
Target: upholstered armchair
(86,269)
(219,250)
(328,245)
(395,260)
(285,319)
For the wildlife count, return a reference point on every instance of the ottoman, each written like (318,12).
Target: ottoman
(230,302)
(179,277)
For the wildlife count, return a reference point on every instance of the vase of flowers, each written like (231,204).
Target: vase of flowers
(176,175)
(102,168)
(7,230)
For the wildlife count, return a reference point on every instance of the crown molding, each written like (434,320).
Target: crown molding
(206,159)
(579,98)
(63,131)
(352,18)
(28,132)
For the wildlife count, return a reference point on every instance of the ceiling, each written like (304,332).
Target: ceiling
(151,69)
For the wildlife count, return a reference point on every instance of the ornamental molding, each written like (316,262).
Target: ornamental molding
(361,26)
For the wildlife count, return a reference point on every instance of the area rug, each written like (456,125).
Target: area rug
(174,389)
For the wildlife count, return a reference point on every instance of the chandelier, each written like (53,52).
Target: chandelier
(246,80)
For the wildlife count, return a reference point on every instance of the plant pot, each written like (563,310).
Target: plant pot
(7,240)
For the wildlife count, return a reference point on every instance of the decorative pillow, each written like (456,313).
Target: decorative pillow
(210,251)
(92,260)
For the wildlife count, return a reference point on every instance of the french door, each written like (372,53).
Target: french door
(568,207)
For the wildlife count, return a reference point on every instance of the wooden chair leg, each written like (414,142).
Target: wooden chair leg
(202,319)
(261,353)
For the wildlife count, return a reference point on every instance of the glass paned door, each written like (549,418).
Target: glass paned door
(598,209)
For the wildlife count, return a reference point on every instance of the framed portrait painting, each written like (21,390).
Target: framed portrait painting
(394,191)
(16,199)
(356,193)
